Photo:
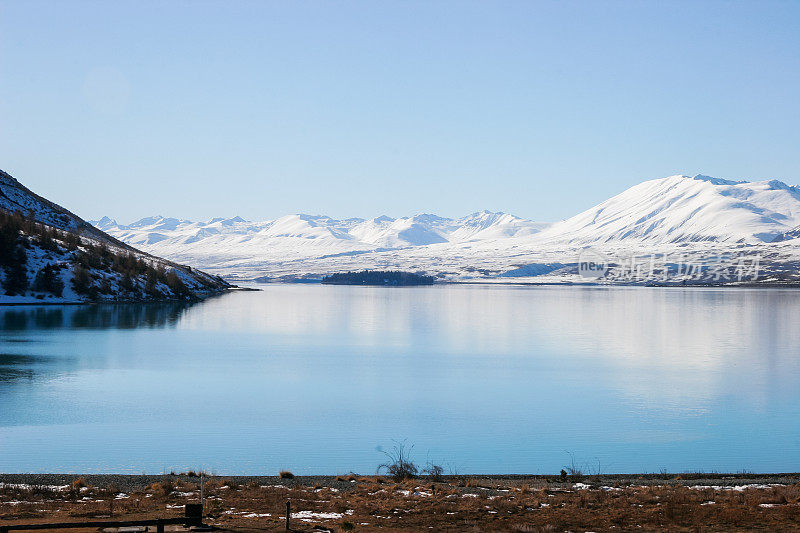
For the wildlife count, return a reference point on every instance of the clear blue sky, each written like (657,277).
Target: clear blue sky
(542,109)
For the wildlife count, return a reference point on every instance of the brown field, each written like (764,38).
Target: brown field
(367,503)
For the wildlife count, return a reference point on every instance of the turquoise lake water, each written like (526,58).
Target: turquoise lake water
(481,379)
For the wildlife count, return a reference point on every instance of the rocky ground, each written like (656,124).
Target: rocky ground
(687,502)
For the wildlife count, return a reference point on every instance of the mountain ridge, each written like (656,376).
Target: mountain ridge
(678,211)
(683,208)
(371,230)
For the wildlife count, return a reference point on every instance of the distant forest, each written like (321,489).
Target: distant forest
(378,277)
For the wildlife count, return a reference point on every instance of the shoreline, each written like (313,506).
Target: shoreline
(438,283)
(737,285)
(512,503)
(690,479)
(37,302)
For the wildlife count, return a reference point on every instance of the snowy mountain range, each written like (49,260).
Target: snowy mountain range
(308,234)
(692,214)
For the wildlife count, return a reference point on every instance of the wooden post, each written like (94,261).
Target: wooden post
(288,513)
(160,527)
(193,512)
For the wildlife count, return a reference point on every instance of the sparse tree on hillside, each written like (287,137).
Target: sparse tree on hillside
(46,240)
(71,241)
(176,285)
(151,283)
(9,234)
(82,281)
(105,286)
(126,282)
(48,280)
(17,272)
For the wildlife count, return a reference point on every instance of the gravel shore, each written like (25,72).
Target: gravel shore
(511,503)
(130,483)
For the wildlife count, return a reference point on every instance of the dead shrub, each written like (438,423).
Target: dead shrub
(399,466)
(232,484)
(162,489)
(44,492)
(434,472)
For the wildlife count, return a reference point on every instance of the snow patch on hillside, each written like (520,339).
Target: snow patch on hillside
(42,238)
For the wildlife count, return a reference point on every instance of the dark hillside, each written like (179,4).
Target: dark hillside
(49,254)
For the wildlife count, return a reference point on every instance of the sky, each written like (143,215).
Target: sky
(259,109)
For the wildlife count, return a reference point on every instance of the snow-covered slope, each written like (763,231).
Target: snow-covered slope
(686,209)
(15,197)
(685,213)
(223,243)
(44,249)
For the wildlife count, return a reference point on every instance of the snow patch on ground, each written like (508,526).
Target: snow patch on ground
(737,488)
(310,516)
(23,486)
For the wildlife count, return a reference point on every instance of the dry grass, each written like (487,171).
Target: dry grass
(371,503)
(161,489)
(79,483)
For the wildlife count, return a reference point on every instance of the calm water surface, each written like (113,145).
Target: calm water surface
(317,379)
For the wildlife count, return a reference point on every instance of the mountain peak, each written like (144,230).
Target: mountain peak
(716,181)
(104,223)
(683,209)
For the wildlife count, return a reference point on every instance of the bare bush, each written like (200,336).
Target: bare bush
(399,466)
(434,471)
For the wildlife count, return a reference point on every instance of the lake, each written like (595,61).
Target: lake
(480,379)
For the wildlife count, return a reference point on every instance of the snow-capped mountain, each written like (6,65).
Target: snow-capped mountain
(677,212)
(308,236)
(686,209)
